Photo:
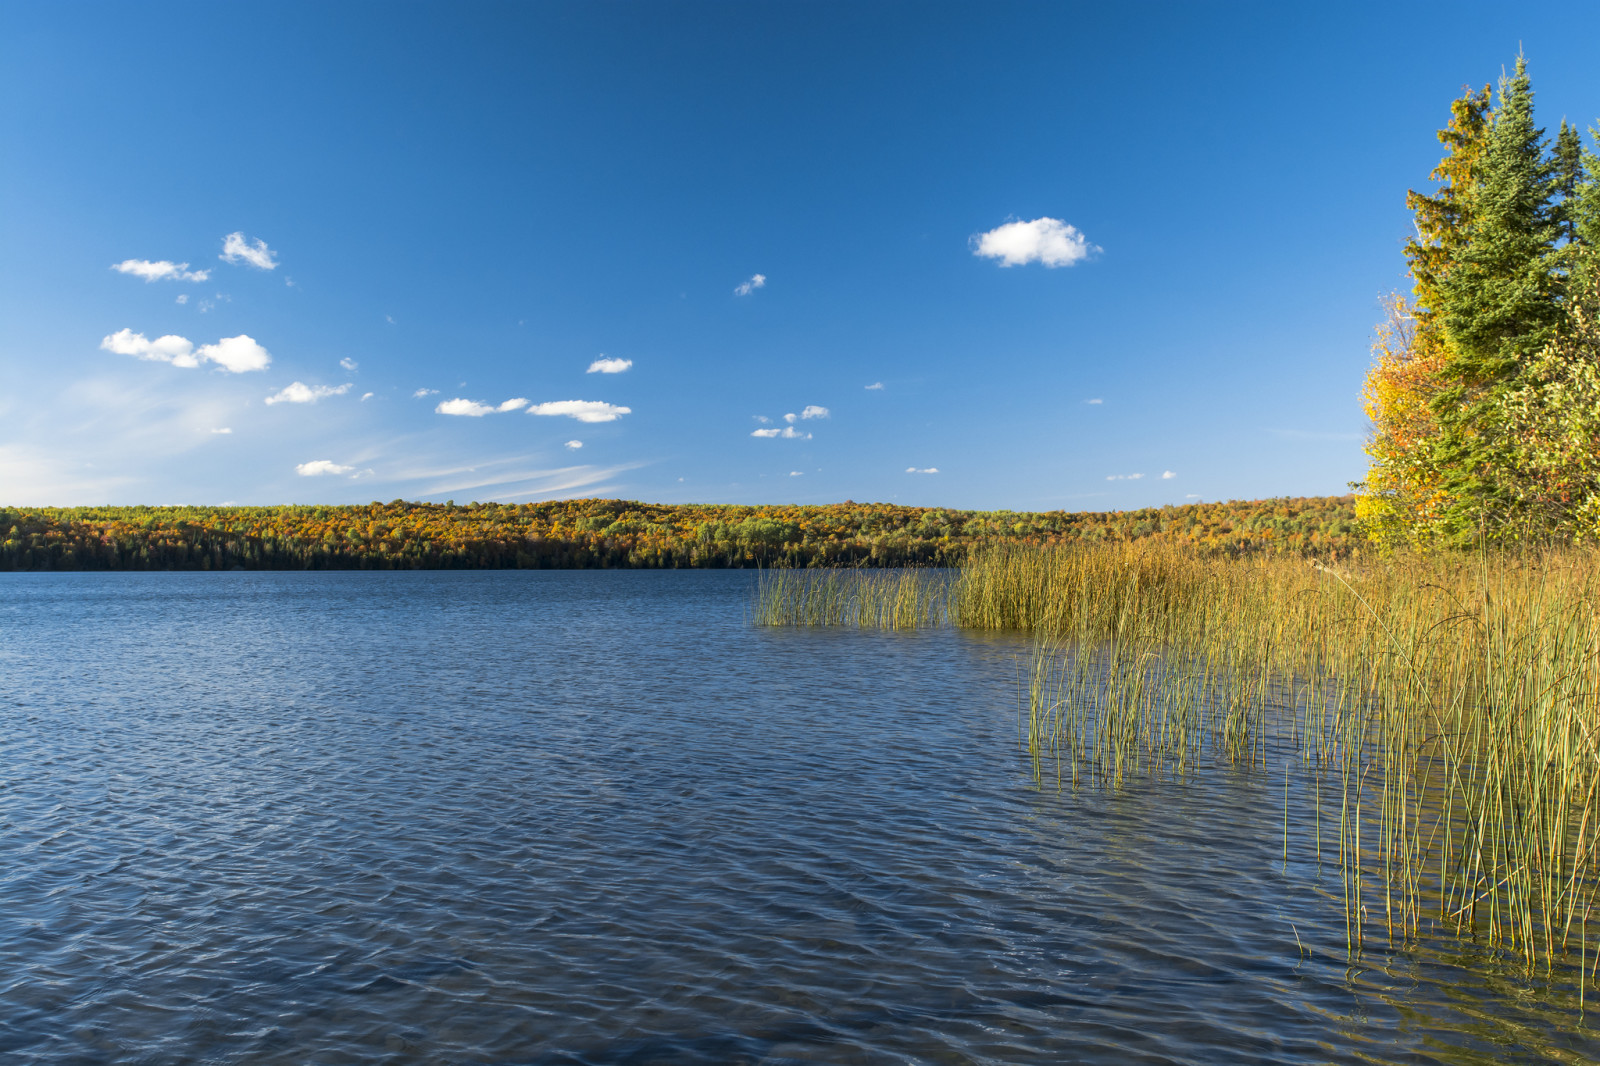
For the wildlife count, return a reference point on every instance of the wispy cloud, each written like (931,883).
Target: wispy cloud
(183,298)
(1168,475)
(1123,477)
(813,411)
(237,355)
(474,409)
(299,392)
(875,386)
(797,473)
(573,444)
(349,364)
(237,248)
(745,288)
(922,470)
(365,396)
(1095,402)
(223,429)
(1044,240)
(420,393)
(582,410)
(159,270)
(321,467)
(603,365)
(787,433)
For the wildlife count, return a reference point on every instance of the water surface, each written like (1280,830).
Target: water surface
(597,817)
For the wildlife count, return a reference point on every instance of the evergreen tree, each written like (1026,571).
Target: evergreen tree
(1500,306)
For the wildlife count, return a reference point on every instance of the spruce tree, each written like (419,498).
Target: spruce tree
(1500,305)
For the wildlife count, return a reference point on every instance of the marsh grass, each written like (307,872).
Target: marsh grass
(863,599)
(1450,703)
(1455,699)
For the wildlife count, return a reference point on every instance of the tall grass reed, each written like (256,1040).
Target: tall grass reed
(864,599)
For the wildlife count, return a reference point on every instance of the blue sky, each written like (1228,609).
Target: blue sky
(479,202)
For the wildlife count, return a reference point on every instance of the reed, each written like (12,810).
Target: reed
(1456,699)
(863,599)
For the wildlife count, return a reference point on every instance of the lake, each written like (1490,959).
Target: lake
(599,817)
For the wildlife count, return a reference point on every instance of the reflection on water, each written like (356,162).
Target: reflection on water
(596,817)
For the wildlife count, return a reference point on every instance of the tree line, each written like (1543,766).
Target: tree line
(575,534)
(1484,395)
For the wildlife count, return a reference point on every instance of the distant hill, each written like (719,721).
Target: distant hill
(579,534)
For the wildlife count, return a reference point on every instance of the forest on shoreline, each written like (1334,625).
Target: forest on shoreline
(605,534)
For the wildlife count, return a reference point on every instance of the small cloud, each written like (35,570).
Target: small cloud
(797,473)
(389,319)
(349,364)
(236,355)
(298,392)
(745,288)
(321,466)
(876,386)
(1044,240)
(514,404)
(573,444)
(603,365)
(1096,401)
(237,248)
(922,470)
(791,418)
(224,429)
(582,410)
(763,419)
(420,393)
(183,297)
(290,283)
(1191,496)
(1123,477)
(787,433)
(813,411)
(469,408)
(365,396)
(1167,475)
(159,270)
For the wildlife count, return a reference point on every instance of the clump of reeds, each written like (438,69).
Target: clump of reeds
(1456,698)
(865,599)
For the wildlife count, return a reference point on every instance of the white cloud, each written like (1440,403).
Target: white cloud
(321,466)
(1167,474)
(763,419)
(582,410)
(797,473)
(160,270)
(516,404)
(365,396)
(349,364)
(470,408)
(237,248)
(876,385)
(224,429)
(236,355)
(813,411)
(603,365)
(923,470)
(1096,400)
(1123,477)
(1044,240)
(787,433)
(183,297)
(168,349)
(420,393)
(298,392)
(574,444)
(745,288)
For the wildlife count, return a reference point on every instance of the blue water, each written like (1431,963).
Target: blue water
(547,817)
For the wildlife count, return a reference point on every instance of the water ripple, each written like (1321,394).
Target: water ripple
(596,818)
